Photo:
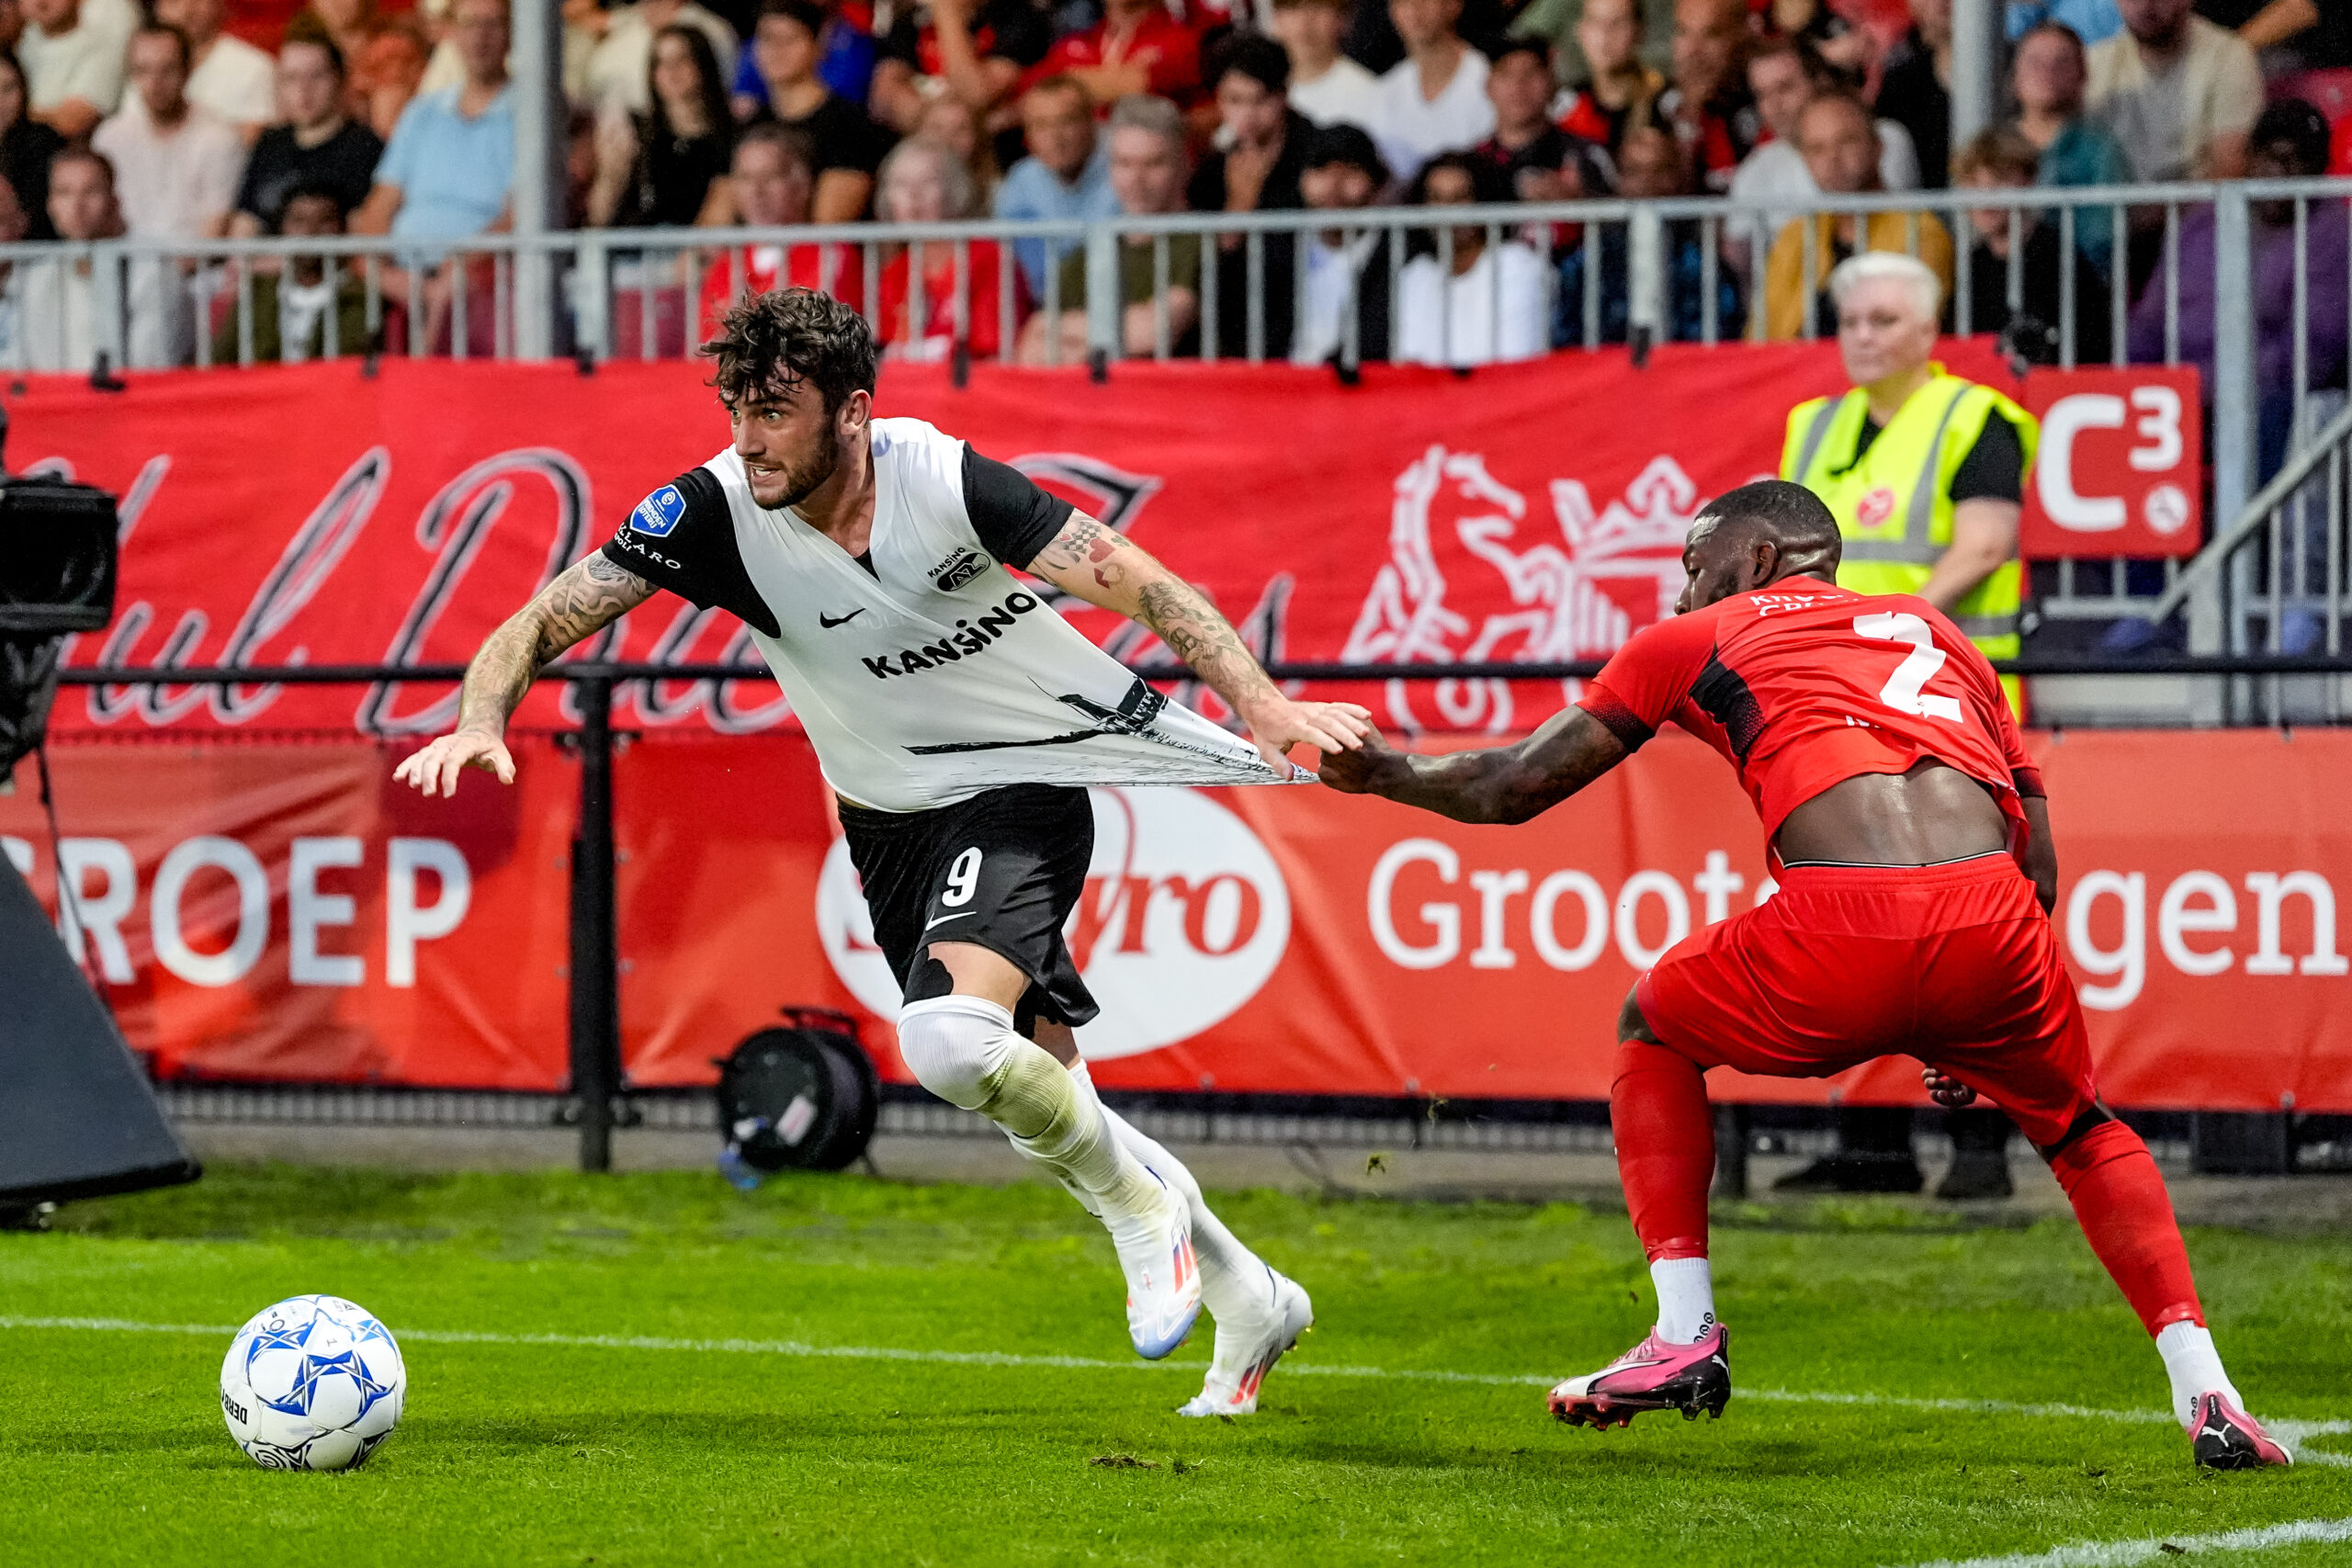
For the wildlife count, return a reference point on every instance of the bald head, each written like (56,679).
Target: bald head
(1754,536)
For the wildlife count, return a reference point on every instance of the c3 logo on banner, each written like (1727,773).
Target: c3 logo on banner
(1184,918)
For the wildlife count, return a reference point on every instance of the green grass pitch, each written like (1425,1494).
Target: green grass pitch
(112,1448)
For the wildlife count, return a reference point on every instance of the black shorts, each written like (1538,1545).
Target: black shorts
(1003,870)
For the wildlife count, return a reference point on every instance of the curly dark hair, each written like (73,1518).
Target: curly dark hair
(774,341)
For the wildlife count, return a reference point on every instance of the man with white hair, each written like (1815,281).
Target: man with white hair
(1148,167)
(1925,472)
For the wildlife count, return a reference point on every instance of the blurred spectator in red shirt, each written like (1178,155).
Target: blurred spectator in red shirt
(972,52)
(1709,106)
(1620,89)
(1137,48)
(1850,39)
(924,181)
(772,182)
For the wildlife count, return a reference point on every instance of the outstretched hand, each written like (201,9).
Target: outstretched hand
(1946,1090)
(1353,771)
(1334,728)
(433,769)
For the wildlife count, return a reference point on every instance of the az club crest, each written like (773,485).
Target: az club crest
(958,569)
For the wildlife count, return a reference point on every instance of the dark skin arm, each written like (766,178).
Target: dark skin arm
(2039,859)
(1500,783)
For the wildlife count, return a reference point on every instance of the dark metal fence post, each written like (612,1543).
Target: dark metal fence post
(1731,1151)
(595,974)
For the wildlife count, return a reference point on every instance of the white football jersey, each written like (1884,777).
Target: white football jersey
(923,672)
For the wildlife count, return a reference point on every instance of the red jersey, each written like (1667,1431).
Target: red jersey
(936,339)
(1802,685)
(756,269)
(1169,52)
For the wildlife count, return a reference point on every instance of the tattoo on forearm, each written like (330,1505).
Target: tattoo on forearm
(1085,543)
(1197,634)
(585,598)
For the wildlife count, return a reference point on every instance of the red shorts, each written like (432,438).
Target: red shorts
(1955,965)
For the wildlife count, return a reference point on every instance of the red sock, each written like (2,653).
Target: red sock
(2119,1195)
(1665,1147)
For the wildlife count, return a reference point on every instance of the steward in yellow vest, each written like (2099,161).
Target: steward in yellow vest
(1892,491)
(1923,471)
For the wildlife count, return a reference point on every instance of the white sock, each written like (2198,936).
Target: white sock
(2194,1367)
(1686,1299)
(1234,1279)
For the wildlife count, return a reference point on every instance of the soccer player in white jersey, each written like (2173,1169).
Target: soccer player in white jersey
(957,718)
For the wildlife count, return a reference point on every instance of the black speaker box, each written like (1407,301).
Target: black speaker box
(77,1119)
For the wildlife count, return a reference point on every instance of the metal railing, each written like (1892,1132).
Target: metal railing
(2277,576)
(1616,261)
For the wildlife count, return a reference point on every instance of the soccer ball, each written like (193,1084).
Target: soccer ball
(314,1383)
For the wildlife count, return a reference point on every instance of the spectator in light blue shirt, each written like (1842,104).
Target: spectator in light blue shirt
(2047,79)
(449,167)
(2093,20)
(1065,176)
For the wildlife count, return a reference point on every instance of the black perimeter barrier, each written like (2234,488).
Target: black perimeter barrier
(599,1100)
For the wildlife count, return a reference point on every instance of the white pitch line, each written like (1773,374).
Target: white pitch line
(2288,1430)
(2116,1553)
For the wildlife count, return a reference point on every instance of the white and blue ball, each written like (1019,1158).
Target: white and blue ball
(314,1383)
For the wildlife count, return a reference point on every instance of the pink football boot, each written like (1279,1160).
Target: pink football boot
(1653,1376)
(2226,1437)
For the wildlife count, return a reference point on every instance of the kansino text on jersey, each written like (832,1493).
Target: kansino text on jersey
(971,636)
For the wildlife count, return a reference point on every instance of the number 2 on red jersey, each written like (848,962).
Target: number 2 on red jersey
(1905,690)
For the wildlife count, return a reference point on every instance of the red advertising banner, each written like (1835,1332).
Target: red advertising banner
(2120,468)
(261,903)
(323,515)
(270,909)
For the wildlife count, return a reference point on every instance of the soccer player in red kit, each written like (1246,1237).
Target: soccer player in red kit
(1910,837)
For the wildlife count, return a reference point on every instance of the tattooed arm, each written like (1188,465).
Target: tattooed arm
(586,597)
(1101,566)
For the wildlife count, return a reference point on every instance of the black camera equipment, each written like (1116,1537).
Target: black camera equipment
(57,565)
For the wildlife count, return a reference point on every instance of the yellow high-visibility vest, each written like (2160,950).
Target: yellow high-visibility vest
(1895,506)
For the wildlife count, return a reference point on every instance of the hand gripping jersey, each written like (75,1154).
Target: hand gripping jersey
(1802,685)
(923,672)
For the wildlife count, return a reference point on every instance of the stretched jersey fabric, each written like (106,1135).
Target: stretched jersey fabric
(1802,685)
(923,672)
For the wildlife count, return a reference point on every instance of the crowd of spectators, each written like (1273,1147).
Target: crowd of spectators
(168,120)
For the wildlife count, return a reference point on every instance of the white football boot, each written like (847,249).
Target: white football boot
(1247,1347)
(1155,1247)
